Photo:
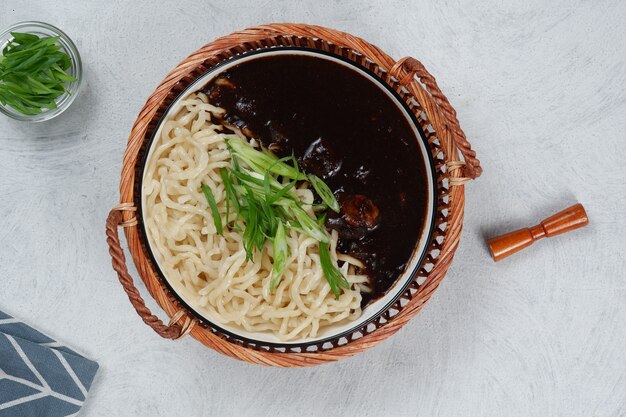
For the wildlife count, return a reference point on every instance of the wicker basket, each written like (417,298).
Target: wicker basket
(446,140)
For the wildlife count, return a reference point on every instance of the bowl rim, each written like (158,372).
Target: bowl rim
(425,239)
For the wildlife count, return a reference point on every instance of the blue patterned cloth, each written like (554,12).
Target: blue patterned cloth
(39,377)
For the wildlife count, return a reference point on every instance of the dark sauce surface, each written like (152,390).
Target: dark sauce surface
(346,130)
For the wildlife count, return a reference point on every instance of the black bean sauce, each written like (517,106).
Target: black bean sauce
(347,131)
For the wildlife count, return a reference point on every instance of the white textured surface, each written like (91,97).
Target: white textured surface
(540,88)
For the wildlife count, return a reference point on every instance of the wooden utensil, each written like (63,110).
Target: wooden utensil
(569,219)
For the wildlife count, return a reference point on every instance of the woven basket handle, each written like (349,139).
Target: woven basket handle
(171,331)
(472,168)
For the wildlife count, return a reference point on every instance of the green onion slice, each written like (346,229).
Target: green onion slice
(335,278)
(281,251)
(216,214)
(324,192)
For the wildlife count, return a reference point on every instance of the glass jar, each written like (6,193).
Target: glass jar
(75,69)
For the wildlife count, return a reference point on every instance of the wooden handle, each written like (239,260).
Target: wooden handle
(414,67)
(564,221)
(174,330)
(569,219)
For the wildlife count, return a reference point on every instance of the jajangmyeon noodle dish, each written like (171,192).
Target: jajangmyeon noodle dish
(272,207)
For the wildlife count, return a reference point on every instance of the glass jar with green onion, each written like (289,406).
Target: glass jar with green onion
(40,71)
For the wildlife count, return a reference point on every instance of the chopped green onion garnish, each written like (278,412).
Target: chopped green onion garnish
(280,255)
(263,161)
(231,196)
(335,278)
(324,192)
(267,208)
(309,225)
(216,214)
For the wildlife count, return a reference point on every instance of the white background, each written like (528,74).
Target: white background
(540,88)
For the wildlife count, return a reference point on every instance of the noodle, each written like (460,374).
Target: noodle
(211,271)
